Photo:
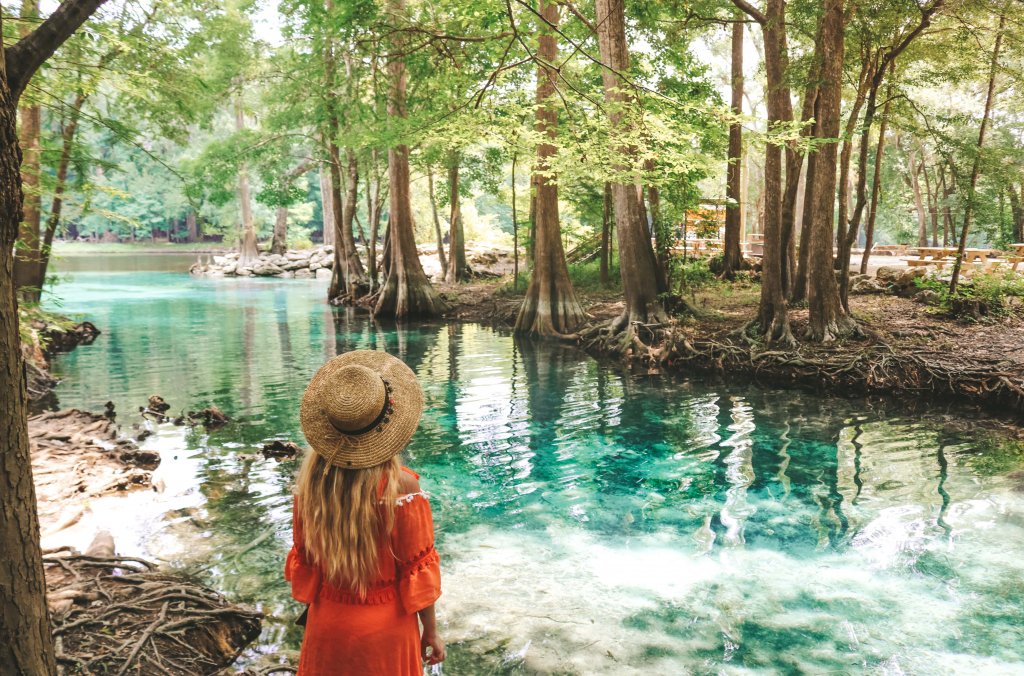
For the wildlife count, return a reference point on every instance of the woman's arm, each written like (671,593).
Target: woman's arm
(430,638)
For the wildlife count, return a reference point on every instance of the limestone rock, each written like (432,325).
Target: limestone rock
(323,274)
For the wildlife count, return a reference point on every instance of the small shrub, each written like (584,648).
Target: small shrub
(981,296)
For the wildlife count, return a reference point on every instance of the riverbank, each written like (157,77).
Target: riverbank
(908,349)
(43,335)
(114,613)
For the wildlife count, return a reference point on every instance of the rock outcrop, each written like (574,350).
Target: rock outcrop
(307,264)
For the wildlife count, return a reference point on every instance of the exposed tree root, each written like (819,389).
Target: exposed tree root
(119,615)
(868,367)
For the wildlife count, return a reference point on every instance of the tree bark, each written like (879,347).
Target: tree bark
(876,189)
(976,167)
(550,307)
(844,240)
(933,208)
(798,290)
(28,256)
(373,208)
(279,242)
(515,227)
(407,291)
(916,167)
(827,318)
(733,255)
(28,646)
(1017,209)
(773,317)
(355,275)
(192,226)
(606,227)
(458,269)
(641,283)
(68,131)
(248,251)
(327,206)
(441,258)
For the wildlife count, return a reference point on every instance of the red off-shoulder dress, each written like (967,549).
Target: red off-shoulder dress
(378,635)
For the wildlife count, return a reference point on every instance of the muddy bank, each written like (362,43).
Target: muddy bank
(44,335)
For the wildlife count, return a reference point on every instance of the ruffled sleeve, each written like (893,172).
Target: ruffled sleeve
(418,565)
(304,577)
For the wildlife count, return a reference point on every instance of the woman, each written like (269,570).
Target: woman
(363,555)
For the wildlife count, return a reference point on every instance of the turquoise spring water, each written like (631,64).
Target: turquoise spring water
(588,521)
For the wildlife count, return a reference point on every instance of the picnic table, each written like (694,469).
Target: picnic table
(940,255)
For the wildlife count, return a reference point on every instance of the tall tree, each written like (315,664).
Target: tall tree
(641,283)
(28,256)
(24,624)
(773,316)
(733,258)
(827,319)
(550,307)
(458,268)
(248,251)
(976,165)
(406,292)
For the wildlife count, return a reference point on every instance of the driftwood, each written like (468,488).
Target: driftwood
(119,615)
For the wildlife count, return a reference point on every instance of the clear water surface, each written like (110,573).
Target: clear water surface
(589,521)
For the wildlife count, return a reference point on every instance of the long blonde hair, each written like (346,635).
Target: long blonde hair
(345,518)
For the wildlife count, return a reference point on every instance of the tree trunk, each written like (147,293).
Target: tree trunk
(248,251)
(373,209)
(550,307)
(948,192)
(1017,209)
(191,226)
(733,255)
(916,167)
(515,227)
(337,289)
(827,318)
(279,243)
(28,256)
(641,283)
(773,315)
(976,167)
(876,189)
(932,202)
(458,269)
(798,291)
(407,291)
(355,275)
(606,227)
(441,258)
(794,165)
(327,206)
(27,647)
(844,240)
(68,131)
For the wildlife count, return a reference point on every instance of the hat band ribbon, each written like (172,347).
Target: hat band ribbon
(376,422)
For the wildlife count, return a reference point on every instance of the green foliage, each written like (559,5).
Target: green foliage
(586,277)
(983,295)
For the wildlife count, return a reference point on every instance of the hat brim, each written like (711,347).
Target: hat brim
(376,446)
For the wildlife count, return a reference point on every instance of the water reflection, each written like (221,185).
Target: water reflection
(590,521)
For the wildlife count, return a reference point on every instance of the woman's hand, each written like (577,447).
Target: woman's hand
(436,645)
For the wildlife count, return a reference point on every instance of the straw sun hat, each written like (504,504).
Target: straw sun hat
(361,409)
